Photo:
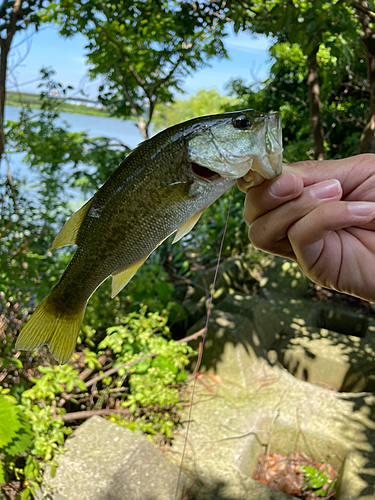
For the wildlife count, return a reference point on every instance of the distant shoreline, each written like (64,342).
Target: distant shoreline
(20,100)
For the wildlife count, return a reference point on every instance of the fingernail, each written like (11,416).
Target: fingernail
(362,209)
(284,186)
(326,189)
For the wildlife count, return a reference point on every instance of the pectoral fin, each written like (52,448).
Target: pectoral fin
(122,279)
(187,227)
(68,234)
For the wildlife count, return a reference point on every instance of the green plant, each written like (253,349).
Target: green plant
(153,380)
(317,480)
(15,433)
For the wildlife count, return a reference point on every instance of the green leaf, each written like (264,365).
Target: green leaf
(23,440)
(9,422)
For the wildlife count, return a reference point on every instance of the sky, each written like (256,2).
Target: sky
(30,52)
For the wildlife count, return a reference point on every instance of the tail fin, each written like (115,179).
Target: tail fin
(58,331)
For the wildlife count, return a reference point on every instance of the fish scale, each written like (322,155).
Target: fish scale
(163,186)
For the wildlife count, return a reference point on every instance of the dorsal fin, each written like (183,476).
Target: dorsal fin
(187,227)
(68,233)
(122,279)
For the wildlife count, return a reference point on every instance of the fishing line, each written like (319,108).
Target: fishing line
(202,344)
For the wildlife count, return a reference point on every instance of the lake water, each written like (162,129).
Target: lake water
(125,131)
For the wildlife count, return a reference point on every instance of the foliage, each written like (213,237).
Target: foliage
(142,49)
(62,161)
(15,434)
(31,430)
(14,17)
(28,16)
(204,102)
(317,480)
(16,437)
(148,386)
(344,100)
(330,36)
(153,380)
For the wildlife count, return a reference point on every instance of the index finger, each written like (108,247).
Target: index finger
(270,195)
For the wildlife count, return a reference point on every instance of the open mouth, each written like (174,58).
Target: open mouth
(204,172)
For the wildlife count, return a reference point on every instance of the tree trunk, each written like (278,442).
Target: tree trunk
(367,140)
(315,107)
(5,44)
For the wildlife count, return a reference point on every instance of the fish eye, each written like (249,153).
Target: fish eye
(242,123)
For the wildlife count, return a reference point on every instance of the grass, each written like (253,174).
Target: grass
(33,101)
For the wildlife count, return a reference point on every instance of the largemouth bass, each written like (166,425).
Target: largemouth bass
(162,187)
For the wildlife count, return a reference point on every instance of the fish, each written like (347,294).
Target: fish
(161,188)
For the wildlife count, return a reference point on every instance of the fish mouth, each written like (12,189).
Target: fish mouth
(204,172)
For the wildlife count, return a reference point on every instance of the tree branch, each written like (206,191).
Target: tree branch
(274,89)
(81,415)
(133,104)
(363,9)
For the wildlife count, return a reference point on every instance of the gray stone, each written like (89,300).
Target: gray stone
(336,361)
(232,346)
(231,426)
(343,321)
(267,323)
(104,461)
(285,277)
(234,274)
(252,406)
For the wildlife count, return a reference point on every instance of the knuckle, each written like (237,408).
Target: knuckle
(259,236)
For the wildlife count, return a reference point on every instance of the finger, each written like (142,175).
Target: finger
(270,194)
(307,235)
(251,179)
(270,231)
(351,172)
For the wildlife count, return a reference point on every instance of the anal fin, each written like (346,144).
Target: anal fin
(68,233)
(120,280)
(187,227)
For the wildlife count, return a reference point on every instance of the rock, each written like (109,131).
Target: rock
(239,303)
(104,461)
(232,345)
(234,274)
(343,321)
(253,406)
(336,361)
(243,406)
(230,427)
(285,277)
(266,321)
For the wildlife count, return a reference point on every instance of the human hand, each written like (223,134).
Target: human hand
(321,215)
